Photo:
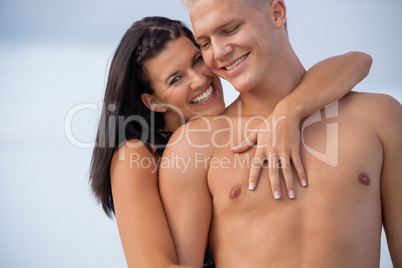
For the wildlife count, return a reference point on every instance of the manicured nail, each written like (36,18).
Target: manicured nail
(251,186)
(291,194)
(236,147)
(304,182)
(277,195)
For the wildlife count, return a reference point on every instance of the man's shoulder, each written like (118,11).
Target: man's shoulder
(202,134)
(379,110)
(203,127)
(370,104)
(369,99)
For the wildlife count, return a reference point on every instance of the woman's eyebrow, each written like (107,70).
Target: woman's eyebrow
(177,72)
(195,56)
(170,76)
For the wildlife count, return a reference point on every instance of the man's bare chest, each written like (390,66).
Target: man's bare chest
(336,153)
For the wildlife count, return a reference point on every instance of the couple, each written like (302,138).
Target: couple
(336,221)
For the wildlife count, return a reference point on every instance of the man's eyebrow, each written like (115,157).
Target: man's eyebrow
(217,29)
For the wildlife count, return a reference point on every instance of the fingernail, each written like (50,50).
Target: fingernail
(277,195)
(251,186)
(291,194)
(236,147)
(304,182)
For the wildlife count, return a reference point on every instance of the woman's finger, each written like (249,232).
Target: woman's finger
(274,176)
(287,175)
(298,164)
(249,141)
(255,170)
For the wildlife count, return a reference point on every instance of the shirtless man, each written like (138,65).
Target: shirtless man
(353,189)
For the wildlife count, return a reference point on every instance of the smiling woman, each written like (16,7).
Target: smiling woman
(180,78)
(157,81)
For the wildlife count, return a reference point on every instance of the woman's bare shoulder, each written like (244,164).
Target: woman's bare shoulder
(133,159)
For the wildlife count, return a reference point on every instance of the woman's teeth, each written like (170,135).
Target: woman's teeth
(234,65)
(204,97)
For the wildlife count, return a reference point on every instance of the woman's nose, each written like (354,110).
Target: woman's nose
(198,80)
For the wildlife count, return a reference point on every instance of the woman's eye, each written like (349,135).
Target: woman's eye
(175,80)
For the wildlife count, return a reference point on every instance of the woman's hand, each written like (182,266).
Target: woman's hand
(277,142)
(324,83)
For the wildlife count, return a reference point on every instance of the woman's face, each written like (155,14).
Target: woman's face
(180,78)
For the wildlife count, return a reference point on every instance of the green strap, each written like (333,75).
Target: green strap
(164,133)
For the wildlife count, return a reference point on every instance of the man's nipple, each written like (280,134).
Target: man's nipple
(235,191)
(364,179)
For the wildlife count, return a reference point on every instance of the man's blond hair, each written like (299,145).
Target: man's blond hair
(257,4)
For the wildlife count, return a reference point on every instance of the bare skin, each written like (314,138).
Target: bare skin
(140,217)
(337,220)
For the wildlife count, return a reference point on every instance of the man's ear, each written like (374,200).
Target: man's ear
(152,103)
(279,13)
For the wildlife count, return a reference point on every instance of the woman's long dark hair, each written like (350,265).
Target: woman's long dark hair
(124,115)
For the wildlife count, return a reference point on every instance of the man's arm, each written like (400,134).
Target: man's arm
(390,130)
(186,197)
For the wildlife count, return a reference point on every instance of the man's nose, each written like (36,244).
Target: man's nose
(221,49)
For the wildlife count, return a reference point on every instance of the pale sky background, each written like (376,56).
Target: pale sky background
(54,55)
